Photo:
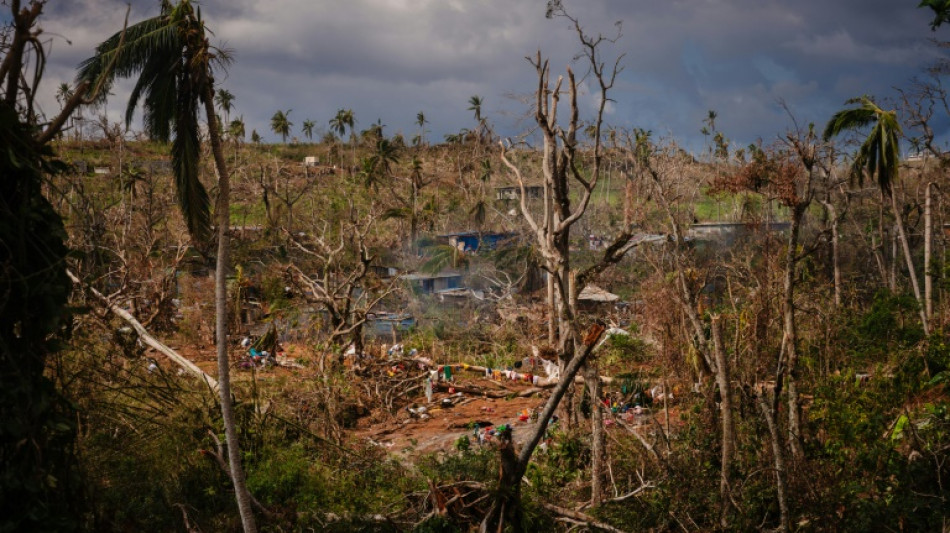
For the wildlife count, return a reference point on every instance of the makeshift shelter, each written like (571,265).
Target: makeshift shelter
(592,297)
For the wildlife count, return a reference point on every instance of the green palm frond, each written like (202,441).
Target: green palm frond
(848,119)
(141,41)
(186,152)
(171,58)
(280,123)
(941,9)
(161,98)
(879,154)
(307,129)
(224,99)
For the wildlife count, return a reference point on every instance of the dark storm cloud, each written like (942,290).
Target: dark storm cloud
(389,59)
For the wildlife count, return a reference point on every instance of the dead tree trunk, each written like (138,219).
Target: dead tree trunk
(513,471)
(726,417)
(561,170)
(908,258)
(507,506)
(592,378)
(928,250)
(835,258)
(790,326)
(552,312)
(778,458)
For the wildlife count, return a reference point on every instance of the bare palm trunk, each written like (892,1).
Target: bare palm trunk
(222,210)
(912,272)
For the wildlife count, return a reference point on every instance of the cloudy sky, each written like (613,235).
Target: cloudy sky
(390,59)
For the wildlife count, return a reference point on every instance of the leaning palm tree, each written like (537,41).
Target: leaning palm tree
(280,124)
(878,157)
(173,61)
(307,129)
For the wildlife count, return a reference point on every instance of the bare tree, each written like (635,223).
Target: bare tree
(343,282)
(561,169)
(661,168)
(796,186)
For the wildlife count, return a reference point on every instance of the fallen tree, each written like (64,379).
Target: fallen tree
(146,337)
(546,382)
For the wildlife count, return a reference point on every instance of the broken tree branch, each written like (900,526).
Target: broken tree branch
(583,518)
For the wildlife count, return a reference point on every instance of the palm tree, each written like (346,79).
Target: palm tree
(381,162)
(307,129)
(280,124)
(705,131)
(421,121)
(173,60)
(224,99)
(255,137)
(475,105)
(236,129)
(63,93)
(342,121)
(373,134)
(879,157)
(710,119)
(941,9)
